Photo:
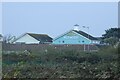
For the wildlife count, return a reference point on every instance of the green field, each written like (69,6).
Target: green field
(66,63)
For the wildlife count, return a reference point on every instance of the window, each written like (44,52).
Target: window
(83,41)
(63,41)
(59,41)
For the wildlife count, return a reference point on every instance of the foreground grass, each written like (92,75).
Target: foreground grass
(54,63)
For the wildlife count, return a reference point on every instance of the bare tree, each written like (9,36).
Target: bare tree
(8,38)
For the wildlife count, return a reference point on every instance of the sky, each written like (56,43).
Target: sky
(55,18)
(0,18)
(60,0)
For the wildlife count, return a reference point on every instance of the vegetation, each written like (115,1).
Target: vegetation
(54,63)
(8,38)
(111,36)
(67,62)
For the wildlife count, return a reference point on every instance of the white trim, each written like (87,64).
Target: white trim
(19,37)
(61,35)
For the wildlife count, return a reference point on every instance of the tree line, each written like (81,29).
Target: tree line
(111,36)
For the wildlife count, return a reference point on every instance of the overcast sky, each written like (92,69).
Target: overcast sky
(56,18)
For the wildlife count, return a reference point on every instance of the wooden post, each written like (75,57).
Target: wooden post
(84,47)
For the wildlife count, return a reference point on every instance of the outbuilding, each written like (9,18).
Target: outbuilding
(32,38)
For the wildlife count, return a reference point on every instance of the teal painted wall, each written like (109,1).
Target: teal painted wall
(71,38)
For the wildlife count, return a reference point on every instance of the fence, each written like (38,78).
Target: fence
(39,47)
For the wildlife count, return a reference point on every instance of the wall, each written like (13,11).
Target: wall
(27,39)
(72,38)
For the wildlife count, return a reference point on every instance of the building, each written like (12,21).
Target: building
(32,38)
(1,38)
(75,36)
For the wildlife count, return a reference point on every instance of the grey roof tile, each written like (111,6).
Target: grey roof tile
(85,35)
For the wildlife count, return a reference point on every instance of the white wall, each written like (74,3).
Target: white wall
(27,39)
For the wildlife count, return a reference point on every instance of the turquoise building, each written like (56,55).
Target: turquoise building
(75,37)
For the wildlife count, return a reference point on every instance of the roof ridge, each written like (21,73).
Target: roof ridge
(36,33)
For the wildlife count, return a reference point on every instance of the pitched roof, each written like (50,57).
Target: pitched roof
(85,35)
(41,37)
(79,32)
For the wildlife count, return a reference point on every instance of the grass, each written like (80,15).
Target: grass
(55,63)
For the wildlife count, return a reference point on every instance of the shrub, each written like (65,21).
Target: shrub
(65,63)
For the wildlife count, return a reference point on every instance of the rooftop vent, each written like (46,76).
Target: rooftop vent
(76,27)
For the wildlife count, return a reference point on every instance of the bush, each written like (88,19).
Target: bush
(65,63)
